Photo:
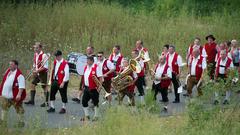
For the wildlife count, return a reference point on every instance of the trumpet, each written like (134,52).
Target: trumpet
(100,88)
(42,62)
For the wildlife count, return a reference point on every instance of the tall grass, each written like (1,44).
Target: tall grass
(71,27)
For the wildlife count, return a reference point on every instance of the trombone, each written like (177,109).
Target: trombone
(42,62)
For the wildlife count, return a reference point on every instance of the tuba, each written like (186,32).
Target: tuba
(123,80)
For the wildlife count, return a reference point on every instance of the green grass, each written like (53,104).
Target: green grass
(71,27)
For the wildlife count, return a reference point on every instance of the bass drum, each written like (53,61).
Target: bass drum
(77,62)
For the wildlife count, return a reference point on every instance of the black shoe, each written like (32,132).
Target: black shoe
(44,105)
(29,102)
(51,110)
(176,101)
(216,102)
(86,118)
(186,95)
(76,100)
(225,102)
(62,111)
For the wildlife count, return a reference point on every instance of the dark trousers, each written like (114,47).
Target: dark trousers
(63,91)
(163,91)
(176,84)
(139,83)
(211,69)
(90,94)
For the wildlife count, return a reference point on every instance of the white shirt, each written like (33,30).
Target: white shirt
(8,85)
(170,59)
(223,63)
(44,57)
(115,58)
(88,71)
(218,54)
(194,64)
(159,72)
(66,71)
(110,65)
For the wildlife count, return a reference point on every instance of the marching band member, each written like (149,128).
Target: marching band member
(116,58)
(162,79)
(12,93)
(211,49)
(140,81)
(174,61)
(59,81)
(196,68)
(40,74)
(90,87)
(108,69)
(222,46)
(89,52)
(223,66)
(196,44)
(146,58)
(129,91)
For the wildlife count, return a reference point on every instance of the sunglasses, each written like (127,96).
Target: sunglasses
(99,56)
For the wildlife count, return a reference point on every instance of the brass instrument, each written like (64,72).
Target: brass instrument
(100,88)
(42,62)
(123,80)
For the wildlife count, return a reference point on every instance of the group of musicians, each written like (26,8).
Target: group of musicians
(218,60)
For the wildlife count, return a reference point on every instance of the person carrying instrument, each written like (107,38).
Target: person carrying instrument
(140,81)
(59,82)
(12,93)
(211,49)
(144,54)
(174,61)
(90,88)
(40,74)
(162,79)
(89,52)
(116,58)
(196,68)
(223,66)
(108,69)
(129,91)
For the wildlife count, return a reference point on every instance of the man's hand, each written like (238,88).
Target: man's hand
(62,85)
(105,75)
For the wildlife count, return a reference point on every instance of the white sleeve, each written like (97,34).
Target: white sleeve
(99,72)
(21,82)
(179,61)
(110,65)
(169,73)
(146,56)
(204,53)
(229,55)
(231,65)
(204,64)
(66,71)
(135,75)
(44,60)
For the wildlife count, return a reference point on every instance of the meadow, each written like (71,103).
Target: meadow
(73,26)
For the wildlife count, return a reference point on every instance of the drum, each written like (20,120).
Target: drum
(77,62)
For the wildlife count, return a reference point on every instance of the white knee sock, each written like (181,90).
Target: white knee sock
(228,94)
(52,104)
(4,115)
(64,105)
(96,111)
(86,112)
